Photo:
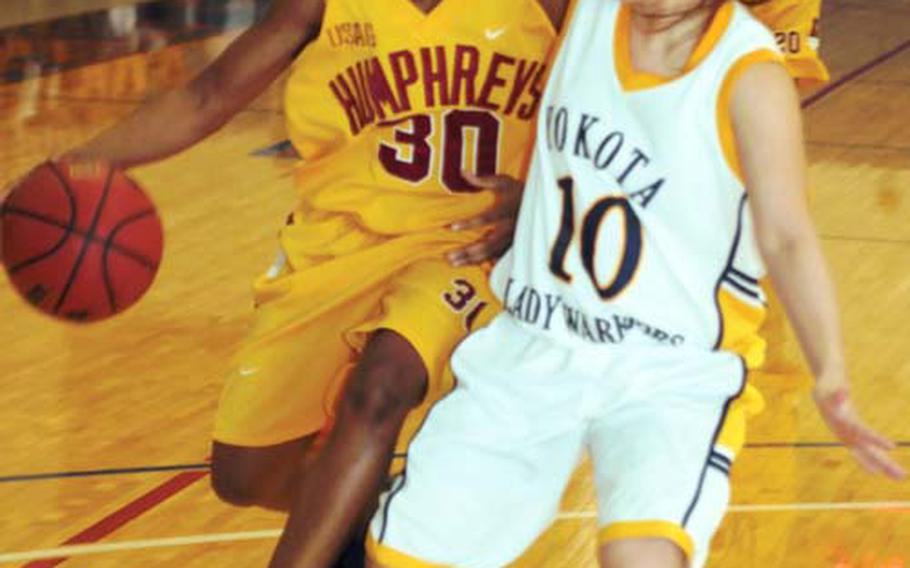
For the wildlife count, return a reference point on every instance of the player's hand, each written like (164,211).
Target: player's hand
(868,447)
(500,220)
(82,162)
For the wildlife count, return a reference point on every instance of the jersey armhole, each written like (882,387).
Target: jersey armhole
(808,70)
(724,120)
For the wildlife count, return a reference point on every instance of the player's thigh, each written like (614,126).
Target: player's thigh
(659,470)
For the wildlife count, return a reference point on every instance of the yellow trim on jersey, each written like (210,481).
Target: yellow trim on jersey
(724,120)
(634,80)
(648,529)
(807,70)
(742,321)
(390,558)
(733,433)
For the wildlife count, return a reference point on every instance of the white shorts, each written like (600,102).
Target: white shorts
(486,474)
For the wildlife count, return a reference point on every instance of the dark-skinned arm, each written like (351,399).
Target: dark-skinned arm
(174,121)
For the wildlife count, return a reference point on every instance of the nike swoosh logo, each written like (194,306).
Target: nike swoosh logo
(493,34)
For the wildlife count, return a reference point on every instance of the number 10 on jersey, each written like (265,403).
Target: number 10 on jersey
(629,254)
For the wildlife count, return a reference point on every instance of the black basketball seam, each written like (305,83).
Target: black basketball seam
(69,227)
(70,194)
(108,246)
(129,253)
(91,232)
(126,251)
(133,184)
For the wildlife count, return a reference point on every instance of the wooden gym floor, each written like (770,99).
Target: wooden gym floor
(105,429)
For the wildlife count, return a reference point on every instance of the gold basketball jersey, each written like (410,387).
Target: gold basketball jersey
(389,106)
(795,27)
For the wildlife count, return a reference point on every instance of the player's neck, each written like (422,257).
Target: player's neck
(426,6)
(663,34)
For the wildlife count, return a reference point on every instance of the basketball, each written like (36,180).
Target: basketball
(80,242)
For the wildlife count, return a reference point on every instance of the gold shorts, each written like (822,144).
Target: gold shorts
(313,319)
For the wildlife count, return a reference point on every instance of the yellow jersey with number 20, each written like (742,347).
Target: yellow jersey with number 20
(795,26)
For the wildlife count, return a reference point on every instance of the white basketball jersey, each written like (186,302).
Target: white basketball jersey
(634,226)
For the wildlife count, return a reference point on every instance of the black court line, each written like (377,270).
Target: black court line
(887,82)
(844,238)
(114,471)
(206,466)
(855,74)
(853,146)
(103,472)
(805,445)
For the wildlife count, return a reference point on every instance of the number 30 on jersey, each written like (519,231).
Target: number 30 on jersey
(412,155)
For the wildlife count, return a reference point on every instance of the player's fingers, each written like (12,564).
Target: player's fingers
(880,461)
(457,258)
(501,238)
(474,222)
(495,244)
(866,461)
(498,183)
(866,435)
(478,252)
(851,428)
(490,247)
(504,208)
(466,256)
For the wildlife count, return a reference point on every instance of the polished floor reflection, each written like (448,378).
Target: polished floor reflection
(105,429)
(48,47)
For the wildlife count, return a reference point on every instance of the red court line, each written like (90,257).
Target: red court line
(125,514)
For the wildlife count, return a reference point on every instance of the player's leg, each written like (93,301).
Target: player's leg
(339,490)
(258,476)
(427,311)
(662,474)
(642,553)
(485,475)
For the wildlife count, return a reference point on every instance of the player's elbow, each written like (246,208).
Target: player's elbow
(205,101)
(780,239)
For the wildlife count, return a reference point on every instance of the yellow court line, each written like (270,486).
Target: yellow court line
(191,540)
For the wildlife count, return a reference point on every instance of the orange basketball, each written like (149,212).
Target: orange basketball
(80,242)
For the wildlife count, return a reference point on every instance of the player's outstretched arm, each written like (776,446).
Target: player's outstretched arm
(766,120)
(180,118)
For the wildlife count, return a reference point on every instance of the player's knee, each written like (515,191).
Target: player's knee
(382,394)
(235,489)
(242,481)
(642,553)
